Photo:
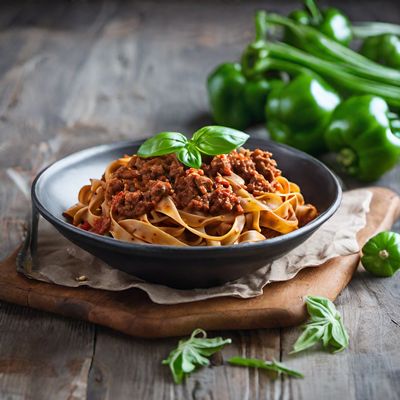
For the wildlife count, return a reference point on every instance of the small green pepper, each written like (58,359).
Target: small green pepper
(366,137)
(331,22)
(381,254)
(384,49)
(298,113)
(236,101)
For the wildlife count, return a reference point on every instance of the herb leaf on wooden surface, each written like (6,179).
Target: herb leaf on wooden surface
(325,325)
(193,353)
(273,366)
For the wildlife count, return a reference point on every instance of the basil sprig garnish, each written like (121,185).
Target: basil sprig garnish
(325,325)
(273,366)
(193,353)
(210,140)
(161,144)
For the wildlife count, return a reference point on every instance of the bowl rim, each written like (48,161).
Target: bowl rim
(151,249)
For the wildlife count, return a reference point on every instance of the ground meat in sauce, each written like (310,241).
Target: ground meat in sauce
(256,168)
(191,190)
(129,204)
(196,192)
(136,189)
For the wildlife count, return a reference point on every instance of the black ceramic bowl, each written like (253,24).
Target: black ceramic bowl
(56,188)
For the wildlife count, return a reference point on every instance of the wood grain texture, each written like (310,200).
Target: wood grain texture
(31,367)
(220,381)
(75,74)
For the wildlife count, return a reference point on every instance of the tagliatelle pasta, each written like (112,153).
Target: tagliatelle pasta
(236,198)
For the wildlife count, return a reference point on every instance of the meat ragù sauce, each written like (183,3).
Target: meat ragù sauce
(136,189)
(234,198)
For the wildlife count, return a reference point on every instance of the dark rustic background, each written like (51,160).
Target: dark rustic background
(75,74)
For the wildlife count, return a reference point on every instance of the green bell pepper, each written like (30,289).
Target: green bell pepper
(366,137)
(298,113)
(236,101)
(384,49)
(381,254)
(331,22)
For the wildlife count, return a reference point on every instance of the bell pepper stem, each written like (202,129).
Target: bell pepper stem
(268,64)
(384,254)
(346,157)
(261,25)
(314,11)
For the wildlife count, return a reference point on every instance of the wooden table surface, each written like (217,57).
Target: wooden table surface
(76,74)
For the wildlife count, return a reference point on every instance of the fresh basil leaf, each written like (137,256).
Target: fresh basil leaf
(176,367)
(162,143)
(273,365)
(325,325)
(282,369)
(213,140)
(189,156)
(326,337)
(320,307)
(340,338)
(193,353)
(309,338)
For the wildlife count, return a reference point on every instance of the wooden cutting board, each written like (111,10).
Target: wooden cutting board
(133,313)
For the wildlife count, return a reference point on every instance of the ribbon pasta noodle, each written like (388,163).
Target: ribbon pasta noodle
(257,216)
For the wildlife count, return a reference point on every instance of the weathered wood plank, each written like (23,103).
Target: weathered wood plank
(370,368)
(40,356)
(125,367)
(43,357)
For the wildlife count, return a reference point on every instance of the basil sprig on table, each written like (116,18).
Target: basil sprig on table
(273,366)
(325,325)
(210,140)
(193,353)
